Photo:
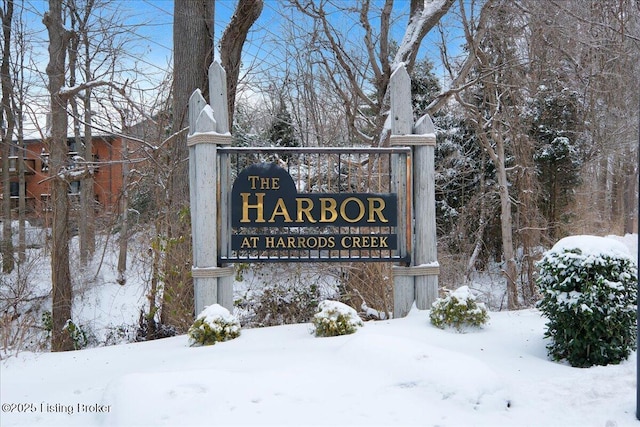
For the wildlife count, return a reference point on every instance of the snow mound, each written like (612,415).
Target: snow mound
(335,318)
(463,294)
(333,309)
(214,324)
(593,246)
(216,313)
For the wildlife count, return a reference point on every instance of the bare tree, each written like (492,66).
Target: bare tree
(95,53)
(8,123)
(62,171)
(245,15)
(601,45)
(60,270)
(20,90)
(351,70)
(80,16)
(493,106)
(192,55)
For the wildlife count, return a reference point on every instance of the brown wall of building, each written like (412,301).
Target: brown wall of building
(108,177)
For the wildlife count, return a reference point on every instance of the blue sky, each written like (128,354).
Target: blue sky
(158,15)
(153,20)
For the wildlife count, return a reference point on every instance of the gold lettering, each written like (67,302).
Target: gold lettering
(343,209)
(253,179)
(281,210)
(269,242)
(312,242)
(291,242)
(383,242)
(344,240)
(265,183)
(304,210)
(328,205)
(259,207)
(245,243)
(281,243)
(376,210)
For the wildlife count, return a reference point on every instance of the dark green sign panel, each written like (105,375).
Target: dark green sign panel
(265,195)
(315,242)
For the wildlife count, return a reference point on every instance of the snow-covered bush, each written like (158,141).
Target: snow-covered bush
(458,309)
(280,303)
(279,294)
(335,318)
(588,286)
(213,325)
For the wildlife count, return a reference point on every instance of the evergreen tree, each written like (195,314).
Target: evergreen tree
(558,159)
(282,132)
(424,87)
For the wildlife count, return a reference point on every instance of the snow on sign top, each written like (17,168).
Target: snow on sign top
(593,245)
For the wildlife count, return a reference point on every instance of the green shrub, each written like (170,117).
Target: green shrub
(335,318)
(77,333)
(47,322)
(213,325)
(588,286)
(458,309)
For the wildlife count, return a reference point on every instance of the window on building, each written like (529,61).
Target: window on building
(44,161)
(74,187)
(14,189)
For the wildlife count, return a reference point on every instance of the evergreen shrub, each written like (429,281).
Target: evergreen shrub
(588,286)
(214,324)
(335,318)
(459,310)
(78,335)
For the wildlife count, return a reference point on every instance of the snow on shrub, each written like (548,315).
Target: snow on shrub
(335,318)
(458,309)
(588,286)
(214,324)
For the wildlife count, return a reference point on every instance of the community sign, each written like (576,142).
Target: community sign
(269,214)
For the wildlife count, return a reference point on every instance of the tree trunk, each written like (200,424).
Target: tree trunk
(87,197)
(630,194)
(7,141)
(246,13)
(22,185)
(510,271)
(60,272)
(87,208)
(193,53)
(124,217)
(506,228)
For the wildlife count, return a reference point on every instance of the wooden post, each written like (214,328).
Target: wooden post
(403,288)
(401,116)
(208,128)
(419,281)
(425,244)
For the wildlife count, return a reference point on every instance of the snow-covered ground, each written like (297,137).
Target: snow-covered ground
(393,372)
